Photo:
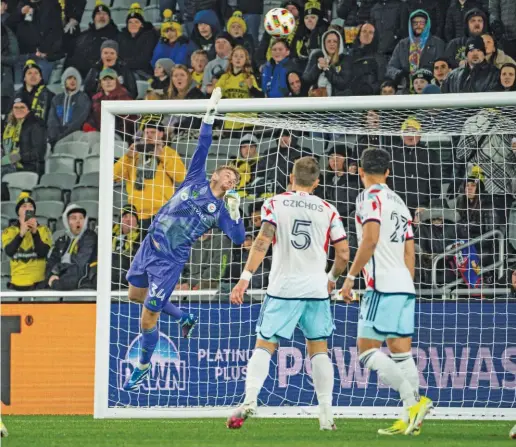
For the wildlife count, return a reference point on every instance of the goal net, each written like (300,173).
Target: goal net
(454,164)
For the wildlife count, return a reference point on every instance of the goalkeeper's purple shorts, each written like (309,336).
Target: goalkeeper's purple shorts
(152,269)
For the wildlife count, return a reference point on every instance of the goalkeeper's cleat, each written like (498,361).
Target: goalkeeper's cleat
(137,377)
(3,430)
(237,419)
(326,419)
(398,428)
(188,323)
(417,414)
(512,433)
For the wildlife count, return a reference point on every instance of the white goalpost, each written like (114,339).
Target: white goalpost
(465,340)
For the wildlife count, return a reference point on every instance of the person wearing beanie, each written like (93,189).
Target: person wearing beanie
(475,24)
(86,49)
(172,44)
(309,37)
(223,49)
(206,27)
(431,89)
(477,75)
(24,139)
(126,241)
(137,42)
(237,28)
(160,82)
(34,89)
(109,58)
(420,79)
(246,162)
(26,243)
(74,254)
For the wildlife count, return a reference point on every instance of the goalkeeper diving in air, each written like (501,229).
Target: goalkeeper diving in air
(195,208)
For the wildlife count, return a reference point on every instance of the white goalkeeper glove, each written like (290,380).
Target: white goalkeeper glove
(209,118)
(232,200)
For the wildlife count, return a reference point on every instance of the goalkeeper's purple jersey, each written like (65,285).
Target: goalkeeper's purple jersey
(193,210)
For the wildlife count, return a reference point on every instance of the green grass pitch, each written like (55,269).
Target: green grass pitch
(84,431)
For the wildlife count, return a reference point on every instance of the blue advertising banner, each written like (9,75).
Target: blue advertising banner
(466,356)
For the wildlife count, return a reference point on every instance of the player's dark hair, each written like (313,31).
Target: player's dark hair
(375,161)
(229,168)
(306,171)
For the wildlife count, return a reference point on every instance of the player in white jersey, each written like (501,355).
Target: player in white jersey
(386,255)
(300,226)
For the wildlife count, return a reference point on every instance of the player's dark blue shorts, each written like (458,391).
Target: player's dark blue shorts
(153,269)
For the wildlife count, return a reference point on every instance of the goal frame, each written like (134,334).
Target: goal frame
(269,105)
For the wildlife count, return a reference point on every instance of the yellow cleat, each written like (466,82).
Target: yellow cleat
(398,428)
(417,414)
(3,430)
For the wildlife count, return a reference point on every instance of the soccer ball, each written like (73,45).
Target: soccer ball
(279,22)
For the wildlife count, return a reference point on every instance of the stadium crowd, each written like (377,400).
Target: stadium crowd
(459,190)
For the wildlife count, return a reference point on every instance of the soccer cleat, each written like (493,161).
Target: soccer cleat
(417,414)
(188,323)
(398,428)
(512,433)
(237,419)
(137,377)
(326,419)
(3,430)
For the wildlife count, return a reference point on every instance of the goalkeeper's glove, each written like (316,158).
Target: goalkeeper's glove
(209,118)
(232,200)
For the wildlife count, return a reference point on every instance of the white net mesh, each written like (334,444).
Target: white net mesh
(455,169)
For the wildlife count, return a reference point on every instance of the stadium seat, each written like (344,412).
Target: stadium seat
(225,149)
(43,193)
(9,210)
(76,148)
(152,13)
(91,164)
(95,149)
(57,234)
(89,179)
(142,86)
(23,180)
(55,88)
(42,220)
(61,180)
(60,163)
(120,148)
(83,192)
(51,209)
(211,163)
(5,222)
(91,207)
(119,15)
(316,144)
(184,148)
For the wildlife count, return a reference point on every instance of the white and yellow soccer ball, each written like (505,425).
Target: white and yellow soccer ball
(279,22)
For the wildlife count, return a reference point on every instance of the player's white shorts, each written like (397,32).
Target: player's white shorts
(279,318)
(385,316)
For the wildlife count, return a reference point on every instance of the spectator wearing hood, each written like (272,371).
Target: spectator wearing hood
(39,30)
(237,29)
(367,65)
(136,43)
(24,140)
(420,79)
(27,244)
(441,70)
(223,49)
(502,14)
(309,37)
(69,109)
(390,19)
(74,254)
(10,55)
(477,75)
(88,44)
(456,18)
(329,69)
(296,86)
(160,82)
(192,8)
(35,90)
(475,24)
(495,55)
(247,163)
(419,50)
(109,89)
(172,44)
(264,51)
(436,14)
(126,241)
(508,78)
(109,59)
(206,27)
(274,74)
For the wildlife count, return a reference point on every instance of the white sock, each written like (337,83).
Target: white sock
(322,374)
(389,373)
(257,371)
(406,364)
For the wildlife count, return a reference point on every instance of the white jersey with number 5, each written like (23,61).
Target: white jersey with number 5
(386,271)
(305,226)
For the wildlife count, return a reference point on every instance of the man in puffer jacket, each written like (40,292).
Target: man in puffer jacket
(390,18)
(74,254)
(475,24)
(455,18)
(70,109)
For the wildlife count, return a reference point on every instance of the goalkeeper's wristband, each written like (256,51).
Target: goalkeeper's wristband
(331,277)
(351,277)
(246,275)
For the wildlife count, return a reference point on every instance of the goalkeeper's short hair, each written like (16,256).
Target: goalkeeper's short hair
(306,171)
(375,161)
(229,168)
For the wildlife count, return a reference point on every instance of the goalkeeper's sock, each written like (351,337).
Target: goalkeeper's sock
(389,373)
(322,374)
(149,341)
(173,311)
(257,371)
(406,364)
